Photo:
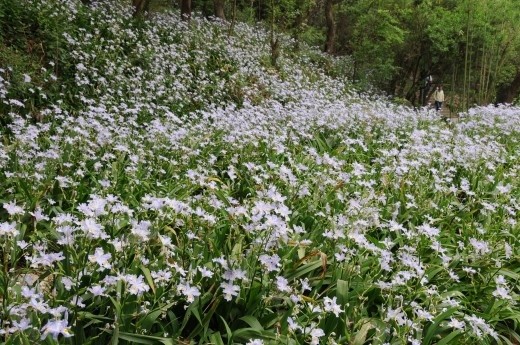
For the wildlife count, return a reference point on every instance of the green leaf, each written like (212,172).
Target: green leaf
(195,312)
(216,339)
(204,325)
(433,272)
(361,335)
(449,339)
(304,269)
(433,328)
(228,330)
(116,304)
(252,322)
(150,318)
(145,339)
(246,334)
(115,335)
(508,273)
(342,291)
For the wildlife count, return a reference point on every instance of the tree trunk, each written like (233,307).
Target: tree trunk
(275,44)
(140,6)
(186,10)
(508,92)
(218,6)
(411,95)
(331,27)
(233,18)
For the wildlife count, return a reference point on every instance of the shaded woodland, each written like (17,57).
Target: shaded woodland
(472,47)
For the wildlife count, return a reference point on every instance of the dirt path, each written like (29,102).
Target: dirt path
(445,113)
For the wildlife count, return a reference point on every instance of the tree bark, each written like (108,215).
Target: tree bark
(275,44)
(218,6)
(233,18)
(186,10)
(140,6)
(508,92)
(331,27)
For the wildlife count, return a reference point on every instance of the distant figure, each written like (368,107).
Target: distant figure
(426,89)
(428,81)
(438,96)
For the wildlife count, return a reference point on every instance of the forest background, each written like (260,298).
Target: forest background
(472,47)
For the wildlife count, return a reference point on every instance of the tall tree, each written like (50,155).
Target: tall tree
(273,38)
(140,6)
(218,6)
(331,27)
(186,10)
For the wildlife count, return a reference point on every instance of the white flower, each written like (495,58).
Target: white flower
(45,260)
(330,305)
(141,229)
(118,244)
(206,273)
(97,290)
(13,209)
(136,284)
(270,262)
(76,300)
(423,314)
(92,229)
(508,250)
(282,284)
(67,283)
(8,229)
(456,324)
(293,326)
(21,326)
(38,215)
(414,341)
(305,285)
(503,189)
(229,290)
(479,327)
(453,276)
(235,274)
(22,244)
(190,292)
(481,247)
(255,342)
(428,230)
(66,235)
(469,270)
(502,290)
(161,277)
(29,292)
(55,328)
(99,257)
(81,67)
(316,334)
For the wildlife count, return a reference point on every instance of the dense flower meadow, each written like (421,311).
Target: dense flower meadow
(194,195)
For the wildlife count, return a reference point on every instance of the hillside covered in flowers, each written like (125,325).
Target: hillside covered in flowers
(161,183)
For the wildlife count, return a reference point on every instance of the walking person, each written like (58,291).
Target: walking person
(438,96)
